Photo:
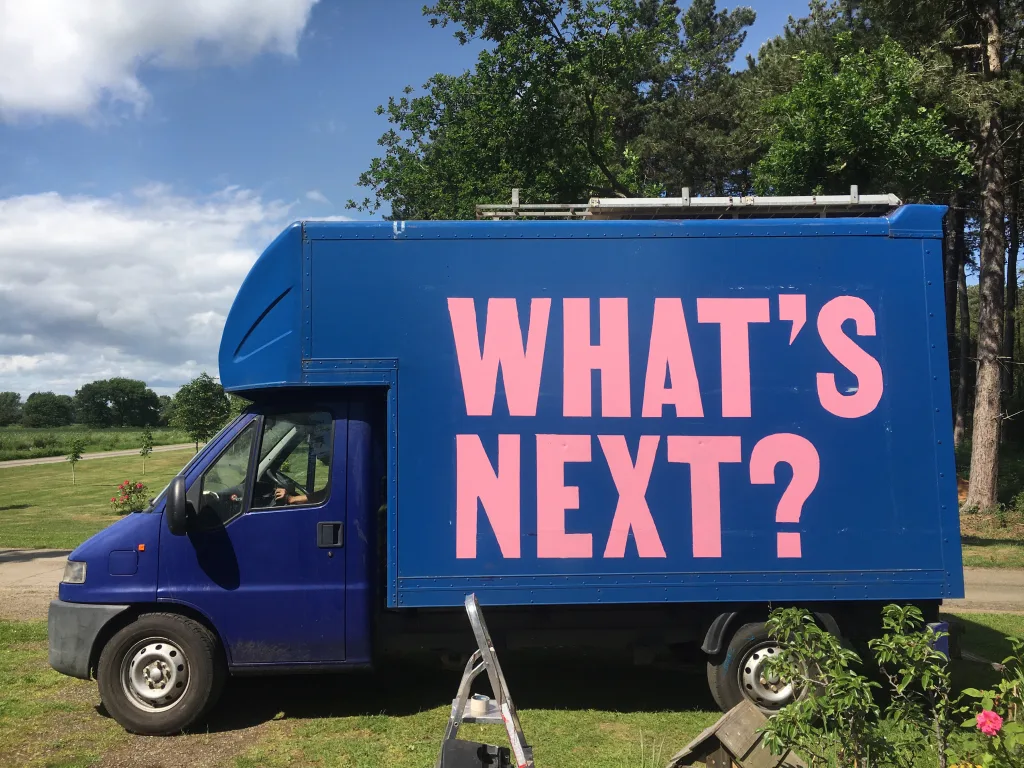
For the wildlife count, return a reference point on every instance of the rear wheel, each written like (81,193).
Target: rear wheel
(741,672)
(160,673)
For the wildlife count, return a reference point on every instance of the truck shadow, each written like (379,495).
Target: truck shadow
(409,689)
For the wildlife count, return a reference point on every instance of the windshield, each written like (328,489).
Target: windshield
(156,499)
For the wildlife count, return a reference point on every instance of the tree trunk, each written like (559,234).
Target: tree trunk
(1009,321)
(960,421)
(985,438)
(950,267)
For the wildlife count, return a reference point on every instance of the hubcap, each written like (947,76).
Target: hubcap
(764,689)
(155,674)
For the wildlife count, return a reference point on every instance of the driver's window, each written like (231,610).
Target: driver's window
(295,460)
(224,482)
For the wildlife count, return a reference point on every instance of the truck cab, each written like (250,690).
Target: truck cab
(243,562)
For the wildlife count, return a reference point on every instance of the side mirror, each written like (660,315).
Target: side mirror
(176,509)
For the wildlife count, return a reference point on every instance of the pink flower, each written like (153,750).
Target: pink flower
(113,499)
(139,486)
(989,722)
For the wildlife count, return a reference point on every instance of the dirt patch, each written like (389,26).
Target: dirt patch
(25,604)
(200,750)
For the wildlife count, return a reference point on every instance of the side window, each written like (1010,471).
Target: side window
(295,460)
(224,484)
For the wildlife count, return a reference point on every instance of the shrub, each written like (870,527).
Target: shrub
(130,497)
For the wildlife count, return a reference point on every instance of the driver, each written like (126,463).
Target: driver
(317,438)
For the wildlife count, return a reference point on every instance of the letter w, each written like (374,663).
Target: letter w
(503,346)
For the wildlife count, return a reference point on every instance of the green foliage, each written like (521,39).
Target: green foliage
(146,449)
(570,99)
(28,443)
(129,497)
(117,402)
(75,455)
(836,721)
(236,405)
(1005,747)
(45,409)
(10,408)
(835,715)
(858,118)
(200,408)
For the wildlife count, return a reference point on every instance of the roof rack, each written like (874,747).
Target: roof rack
(686,207)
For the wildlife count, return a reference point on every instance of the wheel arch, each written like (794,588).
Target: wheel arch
(718,633)
(137,610)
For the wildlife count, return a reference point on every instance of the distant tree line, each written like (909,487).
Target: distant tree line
(200,408)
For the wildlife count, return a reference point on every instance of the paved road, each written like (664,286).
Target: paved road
(29,579)
(87,456)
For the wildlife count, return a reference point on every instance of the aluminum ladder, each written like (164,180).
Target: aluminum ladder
(459,753)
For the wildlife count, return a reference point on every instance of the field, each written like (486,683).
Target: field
(622,717)
(23,443)
(40,508)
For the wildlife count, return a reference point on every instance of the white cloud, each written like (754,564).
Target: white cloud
(136,285)
(67,57)
(316,196)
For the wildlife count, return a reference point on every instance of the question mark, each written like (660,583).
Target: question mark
(802,456)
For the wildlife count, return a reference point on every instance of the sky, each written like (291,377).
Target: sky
(149,151)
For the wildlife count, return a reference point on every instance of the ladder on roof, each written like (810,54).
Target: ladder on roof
(459,753)
(687,207)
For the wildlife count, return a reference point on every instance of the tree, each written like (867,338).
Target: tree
(92,405)
(117,402)
(147,448)
(987,404)
(859,119)
(165,405)
(10,408)
(45,409)
(236,404)
(200,408)
(571,98)
(75,455)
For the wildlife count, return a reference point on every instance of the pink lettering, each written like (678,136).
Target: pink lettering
(498,493)
(864,398)
(503,346)
(670,355)
(631,482)
(611,357)
(735,316)
(793,308)
(802,456)
(554,497)
(705,455)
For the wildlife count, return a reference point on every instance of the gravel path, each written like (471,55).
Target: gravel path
(87,456)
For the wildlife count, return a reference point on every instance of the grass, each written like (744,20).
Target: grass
(621,717)
(40,508)
(993,540)
(25,443)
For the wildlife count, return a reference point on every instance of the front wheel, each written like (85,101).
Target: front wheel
(160,673)
(741,672)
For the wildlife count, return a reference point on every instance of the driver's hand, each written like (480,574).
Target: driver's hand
(280,493)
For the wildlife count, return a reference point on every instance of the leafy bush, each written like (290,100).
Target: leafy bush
(130,497)
(837,722)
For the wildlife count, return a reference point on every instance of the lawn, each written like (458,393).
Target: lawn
(40,508)
(993,540)
(621,717)
(24,443)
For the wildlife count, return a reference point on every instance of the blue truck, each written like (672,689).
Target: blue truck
(632,427)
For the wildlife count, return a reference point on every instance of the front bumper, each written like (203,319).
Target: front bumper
(72,629)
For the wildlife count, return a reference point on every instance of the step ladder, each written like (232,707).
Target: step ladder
(459,753)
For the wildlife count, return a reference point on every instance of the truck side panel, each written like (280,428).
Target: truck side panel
(768,418)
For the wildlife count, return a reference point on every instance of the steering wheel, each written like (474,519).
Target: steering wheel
(283,481)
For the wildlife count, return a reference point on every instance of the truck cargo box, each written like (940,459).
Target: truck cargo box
(633,411)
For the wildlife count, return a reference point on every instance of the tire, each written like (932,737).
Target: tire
(160,674)
(736,675)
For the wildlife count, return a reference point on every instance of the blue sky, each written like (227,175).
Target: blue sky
(152,150)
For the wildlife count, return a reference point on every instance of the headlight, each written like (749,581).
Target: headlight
(74,573)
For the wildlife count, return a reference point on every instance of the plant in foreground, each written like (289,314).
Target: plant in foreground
(130,497)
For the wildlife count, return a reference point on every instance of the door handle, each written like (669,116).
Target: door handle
(330,535)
